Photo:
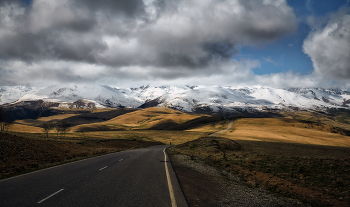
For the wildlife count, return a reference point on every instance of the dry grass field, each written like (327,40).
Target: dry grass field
(341,120)
(147,119)
(25,128)
(306,157)
(286,130)
(212,127)
(297,158)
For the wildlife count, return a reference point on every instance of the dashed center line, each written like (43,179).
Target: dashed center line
(50,196)
(104,168)
(120,160)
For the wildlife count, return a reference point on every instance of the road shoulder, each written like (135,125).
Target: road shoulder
(205,186)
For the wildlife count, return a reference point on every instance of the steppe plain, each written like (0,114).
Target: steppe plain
(300,155)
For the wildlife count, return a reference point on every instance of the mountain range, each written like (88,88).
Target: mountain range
(198,99)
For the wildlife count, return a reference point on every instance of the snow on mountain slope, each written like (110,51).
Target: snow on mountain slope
(186,98)
(10,94)
(332,96)
(146,93)
(230,99)
(101,94)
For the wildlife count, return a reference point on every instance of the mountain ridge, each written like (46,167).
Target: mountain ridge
(210,99)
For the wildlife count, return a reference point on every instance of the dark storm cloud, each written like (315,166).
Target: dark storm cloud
(130,8)
(214,51)
(153,36)
(221,49)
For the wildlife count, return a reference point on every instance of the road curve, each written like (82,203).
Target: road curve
(216,133)
(129,178)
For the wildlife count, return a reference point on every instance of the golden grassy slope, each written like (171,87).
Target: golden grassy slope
(253,129)
(284,130)
(308,116)
(56,117)
(25,128)
(40,121)
(149,117)
(144,119)
(212,127)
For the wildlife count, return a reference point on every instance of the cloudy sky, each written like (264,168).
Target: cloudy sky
(278,43)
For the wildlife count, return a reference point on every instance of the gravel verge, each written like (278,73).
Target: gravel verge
(225,188)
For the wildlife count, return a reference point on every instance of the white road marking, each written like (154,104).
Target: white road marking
(216,133)
(171,191)
(120,160)
(104,168)
(50,196)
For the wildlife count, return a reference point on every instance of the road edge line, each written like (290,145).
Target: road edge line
(171,190)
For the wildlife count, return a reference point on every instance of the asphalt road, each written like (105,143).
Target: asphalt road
(129,178)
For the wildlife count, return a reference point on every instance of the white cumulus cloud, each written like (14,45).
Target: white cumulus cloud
(329,46)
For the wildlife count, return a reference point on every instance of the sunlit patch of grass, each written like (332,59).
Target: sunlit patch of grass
(333,119)
(25,128)
(212,127)
(56,117)
(29,122)
(150,117)
(285,130)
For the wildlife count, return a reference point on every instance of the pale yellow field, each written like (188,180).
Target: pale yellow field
(212,128)
(256,129)
(25,128)
(282,130)
(56,117)
(149,117)
(40,121)
(308,116)
(28,122)
(96,125)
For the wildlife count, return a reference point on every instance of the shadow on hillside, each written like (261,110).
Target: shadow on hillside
(88,118)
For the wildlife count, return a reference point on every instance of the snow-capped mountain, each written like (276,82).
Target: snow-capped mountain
(101,94)
(233,99)
(185,98)
(9,94)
